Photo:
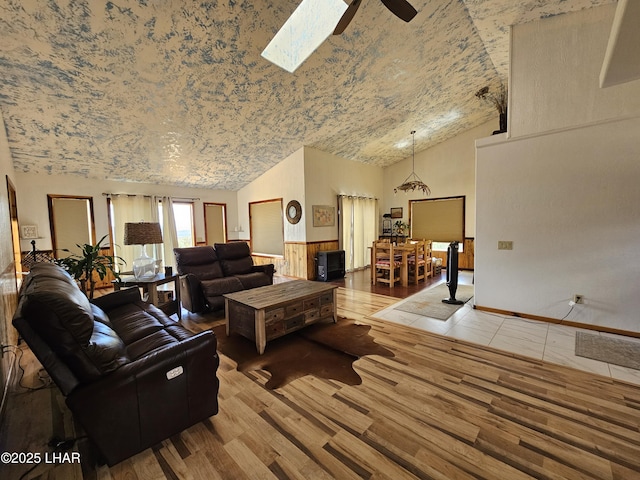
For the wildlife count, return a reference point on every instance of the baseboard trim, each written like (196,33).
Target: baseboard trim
(568,323)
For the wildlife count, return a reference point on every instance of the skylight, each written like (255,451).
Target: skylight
(305,30)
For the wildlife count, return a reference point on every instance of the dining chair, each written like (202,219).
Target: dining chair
(419,261)
(387,265)
(428,256)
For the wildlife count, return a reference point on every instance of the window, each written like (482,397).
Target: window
(267,227)
(183,214)
(438,220)
(444,246)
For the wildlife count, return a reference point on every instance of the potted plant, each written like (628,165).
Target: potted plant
(83,267)
(401,227)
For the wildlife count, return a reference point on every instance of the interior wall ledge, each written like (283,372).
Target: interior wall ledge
(508,138)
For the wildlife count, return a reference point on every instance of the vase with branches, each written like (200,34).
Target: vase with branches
(499,100)
(85,266)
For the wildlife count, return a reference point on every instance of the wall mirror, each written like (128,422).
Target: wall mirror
(72,223)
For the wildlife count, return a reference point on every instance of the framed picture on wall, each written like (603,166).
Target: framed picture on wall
(396,212)
(324,215)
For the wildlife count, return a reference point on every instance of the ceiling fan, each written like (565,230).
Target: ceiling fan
(312,23)
(400,8)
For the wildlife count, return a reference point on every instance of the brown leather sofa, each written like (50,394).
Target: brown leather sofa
(132,376)
(207,273)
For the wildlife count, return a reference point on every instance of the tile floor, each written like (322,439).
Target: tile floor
(540,340)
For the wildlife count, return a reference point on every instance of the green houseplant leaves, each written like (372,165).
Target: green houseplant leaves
(82,267)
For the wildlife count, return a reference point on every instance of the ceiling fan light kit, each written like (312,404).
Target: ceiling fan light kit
(413,182)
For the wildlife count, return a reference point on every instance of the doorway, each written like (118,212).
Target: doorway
(215,223)
(72,223)
(15,231)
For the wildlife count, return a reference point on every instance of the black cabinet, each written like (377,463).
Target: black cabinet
(330,265)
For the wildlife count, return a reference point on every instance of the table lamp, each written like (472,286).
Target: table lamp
(143,233)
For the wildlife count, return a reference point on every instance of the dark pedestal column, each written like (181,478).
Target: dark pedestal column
(452,274)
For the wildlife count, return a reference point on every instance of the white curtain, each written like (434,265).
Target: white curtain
(127,209)
(358,229)
(164,250)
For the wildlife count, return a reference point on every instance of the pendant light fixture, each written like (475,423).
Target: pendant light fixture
(413,182)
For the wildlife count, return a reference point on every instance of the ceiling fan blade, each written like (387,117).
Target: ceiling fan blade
(401,9)
(347,17)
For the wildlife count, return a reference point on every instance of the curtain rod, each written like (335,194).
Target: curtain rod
(186,199)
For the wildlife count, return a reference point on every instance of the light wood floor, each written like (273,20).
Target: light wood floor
(441,408)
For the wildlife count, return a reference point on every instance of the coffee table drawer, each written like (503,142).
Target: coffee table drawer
(326,298)
(326,310)
(294,323)
(311,315)
(293,309)
(274,315)
(311,303)
(274,330)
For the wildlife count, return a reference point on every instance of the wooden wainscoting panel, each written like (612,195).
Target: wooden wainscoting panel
(292,264)
(312,253)
(466,258)
(299,259)
(278,262)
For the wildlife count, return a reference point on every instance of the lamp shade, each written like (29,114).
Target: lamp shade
(142,233)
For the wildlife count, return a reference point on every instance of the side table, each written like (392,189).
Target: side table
(150,287)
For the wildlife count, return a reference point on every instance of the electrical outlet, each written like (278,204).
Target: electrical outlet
(578,299)
(505,245)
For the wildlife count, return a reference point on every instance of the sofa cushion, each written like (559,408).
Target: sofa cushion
(220,286)
(148,344)
(235,258)
(61,314)
(46,269)
(200,261)
(134,321)
(253,280)
(105,349)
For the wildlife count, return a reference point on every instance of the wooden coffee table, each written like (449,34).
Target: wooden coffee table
(264,313)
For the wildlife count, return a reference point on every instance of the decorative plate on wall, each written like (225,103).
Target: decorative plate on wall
(294,211)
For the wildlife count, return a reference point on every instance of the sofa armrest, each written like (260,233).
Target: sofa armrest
(118,298)
(268,269)
(150,399)
(191,293)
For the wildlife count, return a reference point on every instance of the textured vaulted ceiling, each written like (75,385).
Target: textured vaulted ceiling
(176,92)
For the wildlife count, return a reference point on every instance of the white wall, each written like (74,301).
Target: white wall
(567,197)
(33,208)
(285,180)
(447,168)
(555,74)
(326,176)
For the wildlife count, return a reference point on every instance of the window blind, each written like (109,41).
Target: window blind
(438,219)
(267,228)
